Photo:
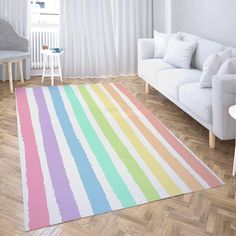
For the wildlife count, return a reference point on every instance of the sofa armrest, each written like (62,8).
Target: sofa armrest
(223,96)
(145,49)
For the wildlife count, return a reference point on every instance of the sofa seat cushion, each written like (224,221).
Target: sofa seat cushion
(198,100)
(149,68)
(169,81)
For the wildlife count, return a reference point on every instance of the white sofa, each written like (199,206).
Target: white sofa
(209,106)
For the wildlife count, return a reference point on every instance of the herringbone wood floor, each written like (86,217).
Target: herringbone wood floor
(210,212)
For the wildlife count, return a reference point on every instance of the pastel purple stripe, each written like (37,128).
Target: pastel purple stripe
(64,196)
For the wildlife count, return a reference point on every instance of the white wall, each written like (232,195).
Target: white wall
(213,19)
(162,15)
(159,15)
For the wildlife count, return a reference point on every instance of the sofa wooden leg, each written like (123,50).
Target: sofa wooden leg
(147,88)
(212,140)
(234,165)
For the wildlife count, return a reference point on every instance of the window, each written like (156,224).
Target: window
(45,12)
(44,30)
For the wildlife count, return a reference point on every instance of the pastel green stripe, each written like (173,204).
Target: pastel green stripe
(122,151)
(156,168)
(111,173)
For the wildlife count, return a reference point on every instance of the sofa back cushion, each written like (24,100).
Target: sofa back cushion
(205,48)
(233,52)
(161,42)
(188,37)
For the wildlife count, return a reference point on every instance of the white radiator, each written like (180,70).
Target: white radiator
(39,37)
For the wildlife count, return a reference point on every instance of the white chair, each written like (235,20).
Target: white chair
(13,49)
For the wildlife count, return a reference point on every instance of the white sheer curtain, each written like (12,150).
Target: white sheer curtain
(132,20)
(17,13)
(100,36)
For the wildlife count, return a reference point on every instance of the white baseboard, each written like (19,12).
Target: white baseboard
(39,72)
(35,72)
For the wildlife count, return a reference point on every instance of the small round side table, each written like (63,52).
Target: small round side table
(232,112)
(52,55)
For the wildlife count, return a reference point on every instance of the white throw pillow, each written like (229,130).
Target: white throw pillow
(228,67)
(161,41)
(180,53)
(212,66)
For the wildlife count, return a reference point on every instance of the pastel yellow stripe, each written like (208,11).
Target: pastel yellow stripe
(183,172)
(152,164)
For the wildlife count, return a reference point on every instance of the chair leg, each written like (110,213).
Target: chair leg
(21,71)
(212,140)
(9,67)
(147,88)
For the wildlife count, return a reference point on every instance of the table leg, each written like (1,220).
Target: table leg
(9,67)
(52,70)
(44,66)
(59,67)
(21,71)
(234,165)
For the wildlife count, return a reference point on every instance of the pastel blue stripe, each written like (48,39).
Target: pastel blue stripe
(111,173)
(91,184)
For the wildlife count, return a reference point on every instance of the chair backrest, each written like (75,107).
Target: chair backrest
(10,40)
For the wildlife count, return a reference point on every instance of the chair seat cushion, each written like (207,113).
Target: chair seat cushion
(198,100)
(11,55)
(149,68)
(169,81)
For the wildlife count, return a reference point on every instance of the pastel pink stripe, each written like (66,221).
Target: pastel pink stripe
(174,142)
(38,212)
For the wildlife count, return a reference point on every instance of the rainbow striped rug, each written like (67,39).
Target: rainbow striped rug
(91,149)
